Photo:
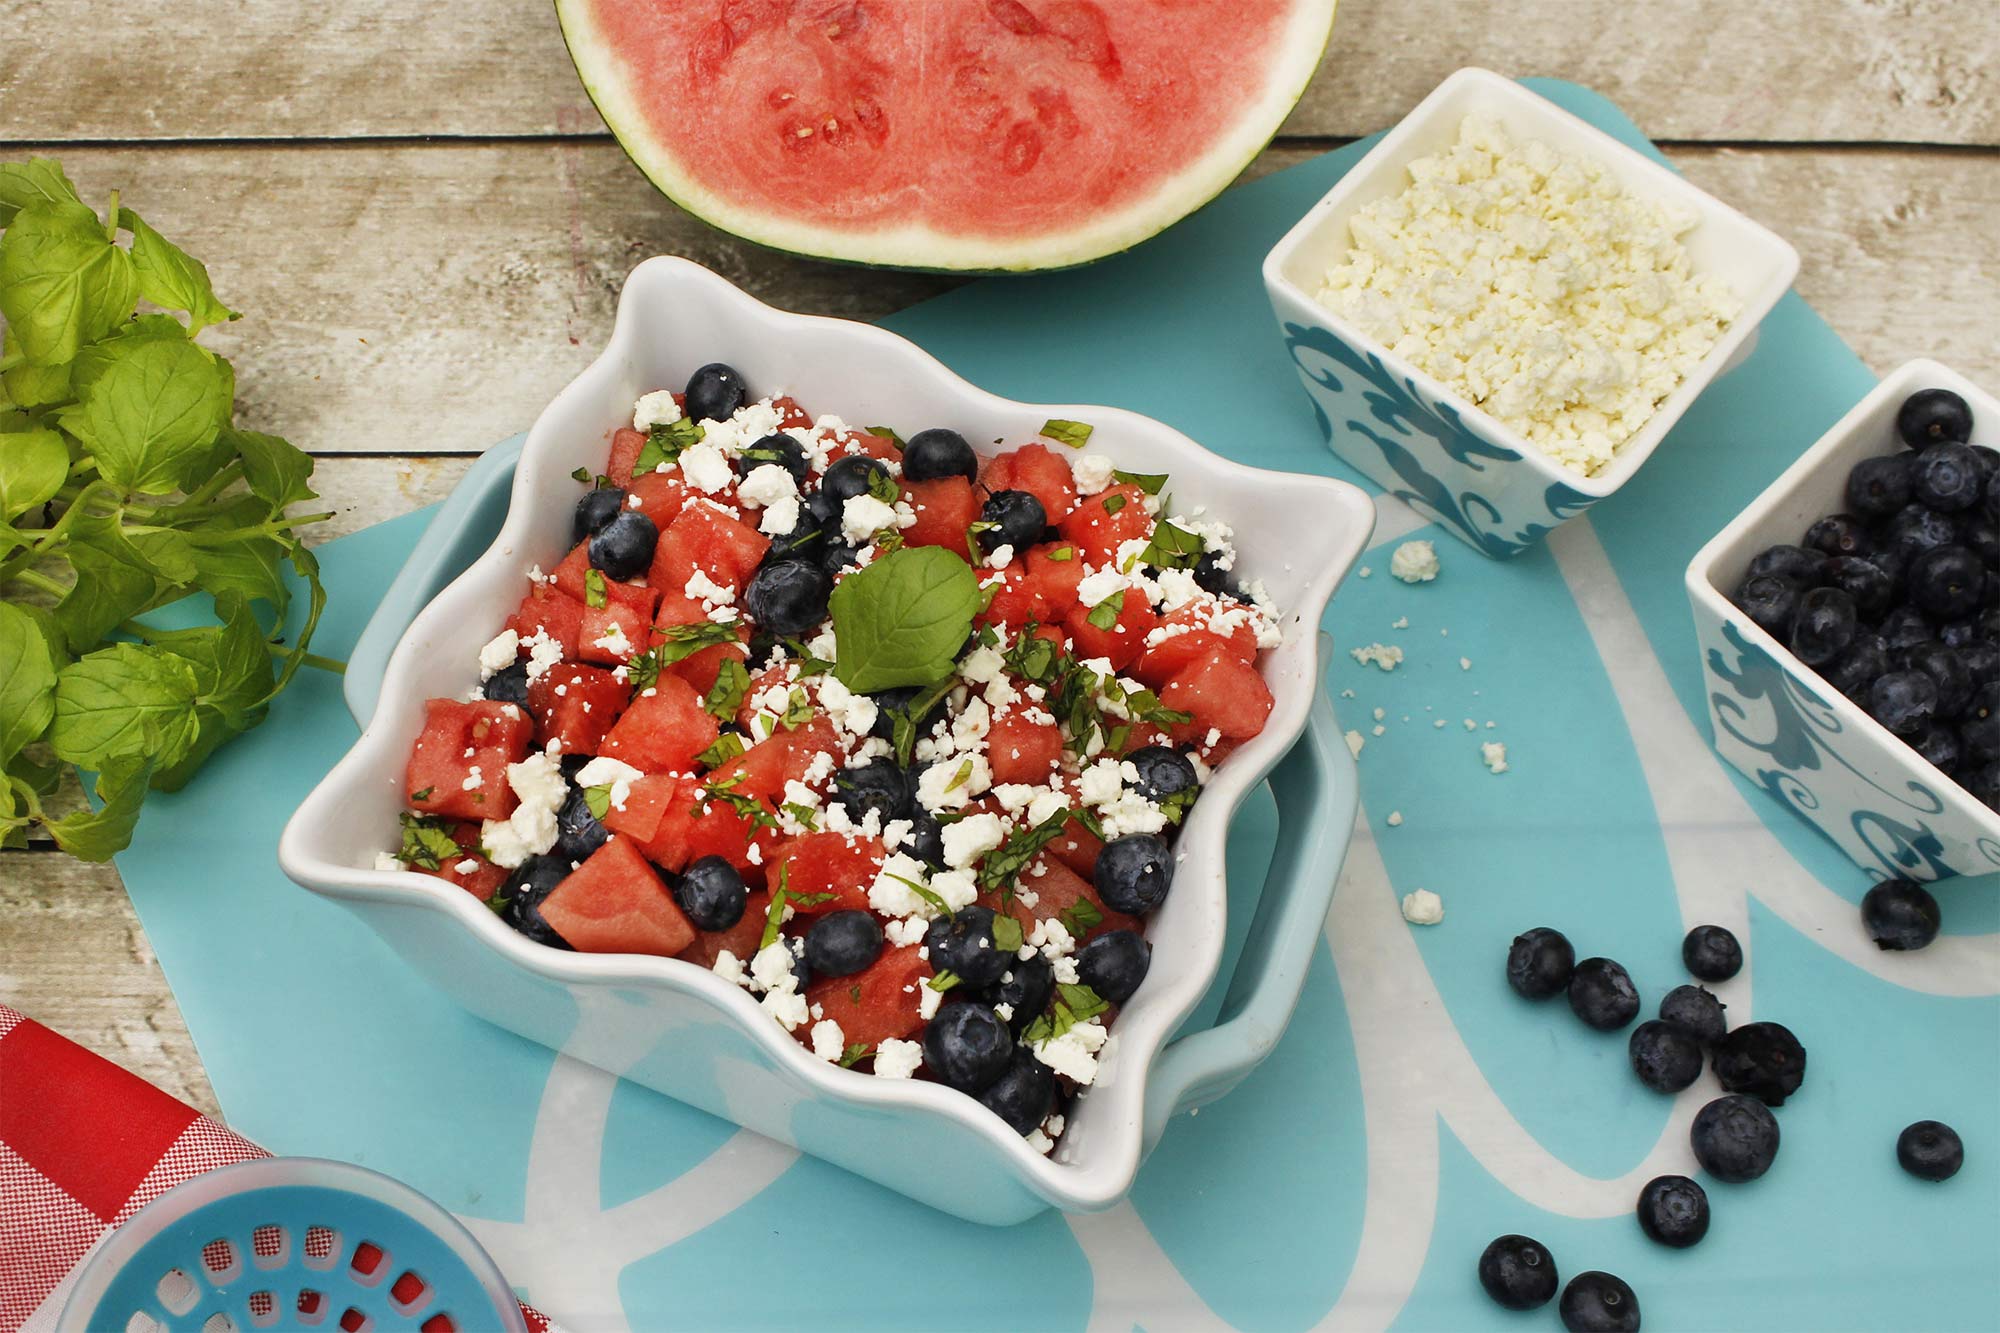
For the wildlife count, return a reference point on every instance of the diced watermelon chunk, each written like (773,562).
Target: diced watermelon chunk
(1044,474)
(576,706)
(483,877)
(1022,750)
(646,804)
(1223,695)
(840,864)
(625,446)
(877,1003)
(782,757)
(700,669)
(695,826)
(662,729)
(571,574)
(661,495)
(1077,847)
(1193,639)
(1122,644)
(461,744)
(865,445)
(615,903)
(740,939)
(1056,890)
(705,538)
(1013,603)
(1053,581)
(629,608)
(790,415)
(549,612)
(1102,523)
(945,509)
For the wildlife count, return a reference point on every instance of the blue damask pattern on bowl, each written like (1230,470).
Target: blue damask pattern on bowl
(1789,740)
(1420,451)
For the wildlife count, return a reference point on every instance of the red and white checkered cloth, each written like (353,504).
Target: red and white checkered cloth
(83,1146)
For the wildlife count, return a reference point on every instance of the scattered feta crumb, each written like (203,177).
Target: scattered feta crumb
(1355,741)
(1414,562)
(1494,755)
(1465,664)
(1421,907)
(828,1040)
(895,1058)
(1395,819)
(1384,655)
(657,408)
(1379,729)
(1400,622)
(1365,571)
(499,653)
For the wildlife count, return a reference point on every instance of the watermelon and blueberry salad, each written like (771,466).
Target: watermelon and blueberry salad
(894,736)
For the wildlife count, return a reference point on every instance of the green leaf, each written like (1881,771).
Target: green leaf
(678,643)
(306,565)
(1149,482)
(27,681)
(1004,864)
(129,701)
(593,589)
(1113,503)
(1007,937)
(250,566)
(97,835)
(33,466)
(855,1051)
(153,414)
(883,487)
(36,181)
(62,282)
(1072,434)
(901,620)
(113,581)
(29,385)
(233,668)
(169,552)
(169,278)
(664,444)
(1105,614)
(727,746)
(597,800)
(426,844)
(1172,547)
(732,682)
(1080,916)
(944,980)
(1064,552)
(886,433)
(276,471)
(92,361)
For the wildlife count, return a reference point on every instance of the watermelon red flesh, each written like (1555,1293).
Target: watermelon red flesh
(1102,523)
(704,538)
(877,1003)
(740,939)
(456,739)
(615,903)
(629,608)
(1020,750)
(662,729)
(945,509)
(1008,135)
(1221,694)
(1033,468)
(840,864)
(1057,889)
(576,706)
(551,613)
(1123,642)
(483,877)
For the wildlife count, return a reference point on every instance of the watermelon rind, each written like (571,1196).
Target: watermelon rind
(925,248)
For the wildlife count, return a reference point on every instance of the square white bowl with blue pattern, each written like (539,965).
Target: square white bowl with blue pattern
(1791,732)
(1427,443)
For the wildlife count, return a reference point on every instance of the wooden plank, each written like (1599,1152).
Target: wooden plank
(73,956)
(1832,70)
(423,316)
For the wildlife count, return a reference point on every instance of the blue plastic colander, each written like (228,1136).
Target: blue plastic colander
(291,1242)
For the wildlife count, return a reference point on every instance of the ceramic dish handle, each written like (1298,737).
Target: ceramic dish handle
(461,529)
(1317,792)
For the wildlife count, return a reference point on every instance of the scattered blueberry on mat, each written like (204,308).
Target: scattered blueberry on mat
(1900,914)
(1711,953)
(1518,1272)
(1665,1056)
(1930,1150)
(1601,993)
(1595,1302)
(1539,963)
(1762,1059)
(1673,1211)
(1735,1138)
(1696,1009)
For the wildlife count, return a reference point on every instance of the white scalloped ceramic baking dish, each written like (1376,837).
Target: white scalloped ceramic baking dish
(682,1030)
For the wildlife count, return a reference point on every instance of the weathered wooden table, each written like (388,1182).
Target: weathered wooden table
(426,225)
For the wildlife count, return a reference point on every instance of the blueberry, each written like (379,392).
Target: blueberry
(1981,658)
(1840,534)
(509,685)
(787,596)
(1900,914)
(1735,1138)
(1825,625)
(1865,659)
(1770,601)
(1958,633)
(573,764)
(1597,1302)
(1162,771)
(1673,1210)
(877,786)
(623,548)
(712,893)
(1878,487)
(1024,987)
(1210,576)
(1024,1094)
(1114,964)
(852,476)
(967,1046)
(837,556)
(1977,533)
(803,540)
(1601,993)
(937,453)
(1930,415)
(1988,459)
(894,700)
(1979,728)
(1133,873)
(1793,563)
(1930,1150)
(1915,529)
(1862,580)
(1762,1059)
(714,392)
(1903,701)
(1711,953)
(578,832)
(1947,582)
(1665,1056)
(1947,477)
(532,881)
(1696,1009)
(597,508)
(926,840)
(1017,518)
(843,943)
(776,449)
(1518,1272)
(1947,671)
(1539,963)
(1905,627)
(962,944)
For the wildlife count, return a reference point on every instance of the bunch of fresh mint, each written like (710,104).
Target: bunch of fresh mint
(124,487)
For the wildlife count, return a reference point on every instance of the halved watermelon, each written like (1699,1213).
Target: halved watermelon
(1010,134)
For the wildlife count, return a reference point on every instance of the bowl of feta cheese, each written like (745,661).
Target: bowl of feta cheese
(1500,311)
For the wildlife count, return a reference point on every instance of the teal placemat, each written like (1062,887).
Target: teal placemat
(1415,1108)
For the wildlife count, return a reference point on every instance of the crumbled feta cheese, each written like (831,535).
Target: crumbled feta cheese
(1465,664)
(543,653)
(730,968)
(1003,555)
(499,653)
(705,469)
(1493,754)
(1414,562)
(863,516)
(604,771)
(895,1058)
(971,838)
(780,517)
(982,665)
(1102,783)
(474,779)
(767,484)
(657,408)
(1423,908)
(389,861)
(1074,1054)
(531,830)
(1091,472)
(1355,740)
(1097,585)
(852,713)
(613,641)
(828,1041)
(1387,656)
(891,894)
(701,588)
(928,1001)
(905,931)
(957,888)
(1395,819)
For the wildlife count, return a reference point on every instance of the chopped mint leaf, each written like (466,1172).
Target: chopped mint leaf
(727,746)
(598,799)
(1113,503)
(854,993)
(1072,434)
(1063,553)
(1074,1003)
(883,486)
(423,795)
(1176,805)
(1105,614)
(902,619)
(1080,916)
(922,891)
(1172,547)
(664,445)
(807,817)
(1007,933)
(732,682)
(426,844)
(1004,864)
(944,981)
(1149,482)
(904,721)
(798,708)
(581,474)
(593,589)
(803,660)
(856,1052)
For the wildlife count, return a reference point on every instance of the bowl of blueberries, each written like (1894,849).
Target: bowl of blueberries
(1849,623)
